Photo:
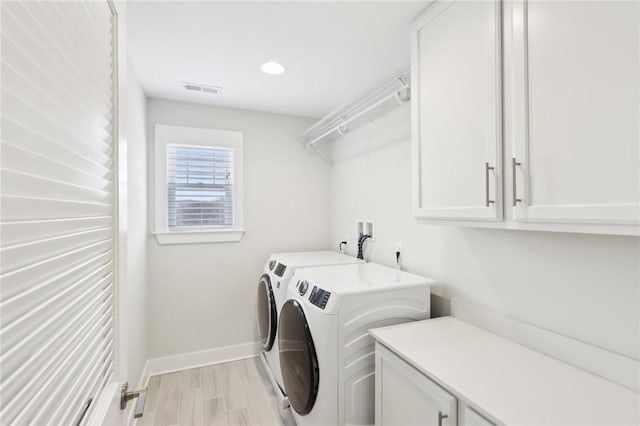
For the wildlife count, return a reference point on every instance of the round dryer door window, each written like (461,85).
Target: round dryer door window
(267,314)
(298,360)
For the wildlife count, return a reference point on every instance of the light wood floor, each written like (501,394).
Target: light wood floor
(234,393)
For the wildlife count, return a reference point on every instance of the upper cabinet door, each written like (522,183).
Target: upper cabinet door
(456,105)
(575,111)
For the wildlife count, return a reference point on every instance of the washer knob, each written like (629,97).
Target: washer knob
(302,288)
(272,265)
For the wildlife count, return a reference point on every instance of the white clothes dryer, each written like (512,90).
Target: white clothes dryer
(327,357)
(272,290)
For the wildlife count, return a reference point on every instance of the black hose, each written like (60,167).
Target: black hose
(361,241)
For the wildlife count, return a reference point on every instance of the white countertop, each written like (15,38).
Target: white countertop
(509,382)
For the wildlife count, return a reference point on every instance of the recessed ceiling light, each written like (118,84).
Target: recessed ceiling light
(273,68)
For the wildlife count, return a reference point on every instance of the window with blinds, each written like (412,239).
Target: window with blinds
(199,187)
(57,209)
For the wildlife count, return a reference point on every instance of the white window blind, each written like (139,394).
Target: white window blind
(57,209)
(199,187)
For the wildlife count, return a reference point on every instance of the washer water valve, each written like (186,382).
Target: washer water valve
(340,249)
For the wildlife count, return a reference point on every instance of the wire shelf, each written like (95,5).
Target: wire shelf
(390,90)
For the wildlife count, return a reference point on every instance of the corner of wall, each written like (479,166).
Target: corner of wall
(136,280)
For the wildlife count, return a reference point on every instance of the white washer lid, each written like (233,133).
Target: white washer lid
(313,258)
(361,278)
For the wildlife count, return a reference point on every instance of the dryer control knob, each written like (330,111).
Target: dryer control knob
(272,265)
(302,288)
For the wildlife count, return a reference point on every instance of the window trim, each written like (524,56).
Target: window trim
(168,134)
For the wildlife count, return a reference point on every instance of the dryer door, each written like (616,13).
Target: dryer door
(298,359)
(267,314)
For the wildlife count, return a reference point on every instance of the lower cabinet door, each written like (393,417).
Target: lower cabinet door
(472,418)
(406,397)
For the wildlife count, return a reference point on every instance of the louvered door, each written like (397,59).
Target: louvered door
(58,209)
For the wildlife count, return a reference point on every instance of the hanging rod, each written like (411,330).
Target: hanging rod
(394,85)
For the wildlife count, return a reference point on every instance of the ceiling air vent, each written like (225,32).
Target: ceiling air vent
(196,87)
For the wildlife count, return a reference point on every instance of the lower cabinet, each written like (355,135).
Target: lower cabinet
(432,373)
(406,397)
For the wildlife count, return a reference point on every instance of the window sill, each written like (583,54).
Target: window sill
(199,237)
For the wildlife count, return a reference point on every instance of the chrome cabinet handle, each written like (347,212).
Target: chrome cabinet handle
(126,395)
(487,201)
(441,416)
(514,182)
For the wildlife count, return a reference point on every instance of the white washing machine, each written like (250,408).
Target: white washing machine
(272,290)
(326,354)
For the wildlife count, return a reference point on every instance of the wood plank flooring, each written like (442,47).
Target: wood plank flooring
(230,394)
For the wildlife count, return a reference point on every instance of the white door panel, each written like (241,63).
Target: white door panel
(59,171)
(456,78)
(406,397)
(576,114)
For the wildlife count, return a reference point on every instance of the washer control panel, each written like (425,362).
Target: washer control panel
(319,297)
(280,270)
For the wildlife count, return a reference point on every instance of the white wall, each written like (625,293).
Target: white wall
(136,279)
(578,285)
(203,296)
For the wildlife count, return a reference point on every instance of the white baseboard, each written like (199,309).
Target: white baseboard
(610,365)
(185,361)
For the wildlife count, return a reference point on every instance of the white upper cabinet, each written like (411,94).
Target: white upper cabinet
(571,88)
(456,81)
(575,82)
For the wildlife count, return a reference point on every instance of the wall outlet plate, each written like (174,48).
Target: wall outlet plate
(365,227)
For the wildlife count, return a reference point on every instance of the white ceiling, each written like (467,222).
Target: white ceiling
(331,50)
